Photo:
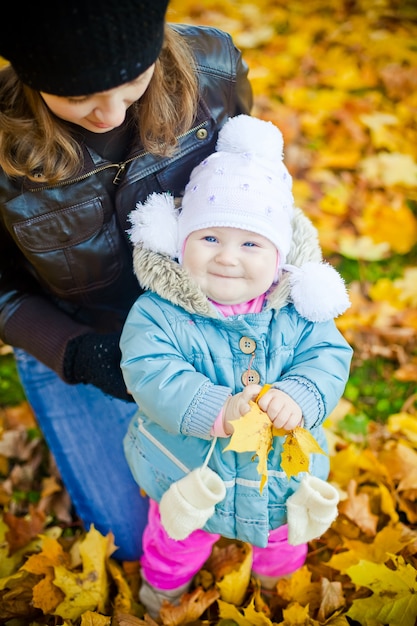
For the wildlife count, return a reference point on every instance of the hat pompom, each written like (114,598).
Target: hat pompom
(155,224)
(244,133)
(318,291)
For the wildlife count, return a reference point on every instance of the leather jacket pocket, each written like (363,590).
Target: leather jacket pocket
(72,249)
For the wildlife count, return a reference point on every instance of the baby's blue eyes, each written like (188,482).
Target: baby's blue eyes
(247,244)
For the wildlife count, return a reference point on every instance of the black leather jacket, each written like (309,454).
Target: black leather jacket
(65,260)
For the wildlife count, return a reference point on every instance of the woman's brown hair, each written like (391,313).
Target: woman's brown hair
(33,141)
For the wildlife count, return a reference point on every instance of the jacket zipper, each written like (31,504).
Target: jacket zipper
(120,166)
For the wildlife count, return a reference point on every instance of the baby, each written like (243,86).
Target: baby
(237,297)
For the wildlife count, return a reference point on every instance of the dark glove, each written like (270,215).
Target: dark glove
(95,359)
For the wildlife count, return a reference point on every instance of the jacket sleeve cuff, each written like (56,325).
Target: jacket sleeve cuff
(200,417)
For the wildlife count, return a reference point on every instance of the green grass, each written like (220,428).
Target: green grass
(11,392)
(369,272)
(374,391)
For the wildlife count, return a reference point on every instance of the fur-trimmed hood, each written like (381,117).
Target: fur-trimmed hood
(316,289)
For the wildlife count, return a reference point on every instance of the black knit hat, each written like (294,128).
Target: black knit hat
(80,47)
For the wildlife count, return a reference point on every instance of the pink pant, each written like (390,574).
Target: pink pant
(168,564)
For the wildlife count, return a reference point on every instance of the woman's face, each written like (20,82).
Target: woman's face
(103,111)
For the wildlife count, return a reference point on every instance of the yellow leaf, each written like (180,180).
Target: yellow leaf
(384,290)
(250,431)
(379,125)
(391,222)
(230,612)
(351,463)
(253,433)
(46,595)
(233,585)
(299,588)
(250,616)
(388,169)
(408,287)
(404,423)
(262,392)
(95,619)
(363,248)
(387,503)
(296,615)
(52,554)
(298,445)
(86,590)
(394,597)
(123,600)
(389,539)
(256,618)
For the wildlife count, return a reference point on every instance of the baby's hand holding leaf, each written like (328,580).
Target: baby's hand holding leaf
(254,432)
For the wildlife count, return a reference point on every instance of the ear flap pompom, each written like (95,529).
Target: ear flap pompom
(318,291)
(155,224)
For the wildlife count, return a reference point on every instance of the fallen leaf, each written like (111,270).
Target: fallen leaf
(234,583)
(394,593)
(332,598)
(191,607)
(357,508)
(86,590)
(23,530)
(89,618)
(246,616)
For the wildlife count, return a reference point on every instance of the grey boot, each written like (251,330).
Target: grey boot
(152,598)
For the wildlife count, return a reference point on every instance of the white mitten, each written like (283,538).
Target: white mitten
(311,510)
(189,503)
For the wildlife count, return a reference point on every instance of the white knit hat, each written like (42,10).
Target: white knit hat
(244,184)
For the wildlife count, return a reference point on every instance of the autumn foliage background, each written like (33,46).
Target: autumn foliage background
(339,78)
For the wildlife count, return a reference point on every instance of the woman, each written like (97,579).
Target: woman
(101,105)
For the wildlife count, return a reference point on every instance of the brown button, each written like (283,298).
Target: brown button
(247,345)
(250,377)
(201,133)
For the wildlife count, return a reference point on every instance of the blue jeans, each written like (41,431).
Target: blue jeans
(84,430)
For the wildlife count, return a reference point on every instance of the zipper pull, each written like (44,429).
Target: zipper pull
(119,174)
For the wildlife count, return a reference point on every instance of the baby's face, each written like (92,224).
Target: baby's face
(229,264)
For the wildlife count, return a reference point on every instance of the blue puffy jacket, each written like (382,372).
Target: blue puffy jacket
(181,360)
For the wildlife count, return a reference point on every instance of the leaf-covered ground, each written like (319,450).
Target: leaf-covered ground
(339,78)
